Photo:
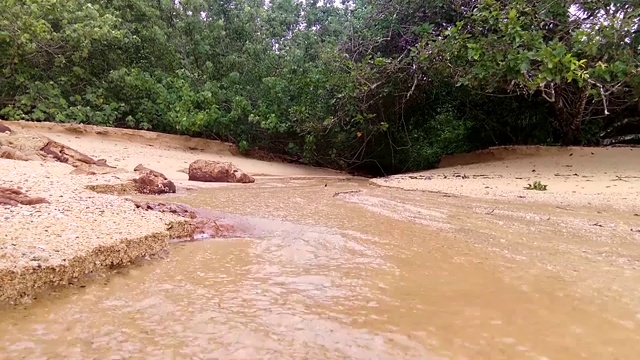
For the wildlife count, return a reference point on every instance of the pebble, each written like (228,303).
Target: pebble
(40,257)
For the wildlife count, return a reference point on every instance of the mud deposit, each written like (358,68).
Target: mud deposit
(351,271)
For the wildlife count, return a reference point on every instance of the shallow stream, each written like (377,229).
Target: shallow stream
(352,271)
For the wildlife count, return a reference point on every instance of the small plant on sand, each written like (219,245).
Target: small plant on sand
(537,185)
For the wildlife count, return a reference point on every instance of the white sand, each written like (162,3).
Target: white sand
(74,222)
(78,232)
(168,154)
(600,177)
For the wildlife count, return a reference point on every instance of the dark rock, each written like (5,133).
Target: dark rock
(14,197)
(216,171)
(152,182)
(176,209)
(143,169)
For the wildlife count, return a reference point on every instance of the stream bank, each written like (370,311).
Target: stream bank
(75,231)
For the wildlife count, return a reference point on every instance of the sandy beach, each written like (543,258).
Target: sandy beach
(80,231)
(598,177)
(490,269)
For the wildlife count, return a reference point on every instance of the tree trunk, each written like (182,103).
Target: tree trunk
(568,137)
(569,108)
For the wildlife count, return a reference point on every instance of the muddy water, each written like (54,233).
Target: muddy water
(350,271)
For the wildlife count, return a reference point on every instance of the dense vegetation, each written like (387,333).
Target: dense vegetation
(374,85)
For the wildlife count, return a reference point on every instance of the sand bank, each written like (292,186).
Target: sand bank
(80,231)
(575,176)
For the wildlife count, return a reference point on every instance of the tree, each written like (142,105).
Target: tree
(581,56)
(370,84)
(44,48)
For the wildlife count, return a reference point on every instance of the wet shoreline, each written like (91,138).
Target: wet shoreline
(341,275)
(22,286)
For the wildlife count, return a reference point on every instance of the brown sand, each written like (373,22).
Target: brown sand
(81,231)
(600,177)
(168,154)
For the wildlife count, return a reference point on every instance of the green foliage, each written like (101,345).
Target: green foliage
(571,55)
(537,186)
(243,146)
(377,86)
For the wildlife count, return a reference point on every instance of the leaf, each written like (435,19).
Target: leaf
(379,61)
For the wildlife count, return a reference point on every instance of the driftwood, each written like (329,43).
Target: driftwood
(618,125)
(606,138)
(64,154)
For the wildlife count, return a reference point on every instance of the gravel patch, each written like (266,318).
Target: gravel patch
(78,232)
(83,231)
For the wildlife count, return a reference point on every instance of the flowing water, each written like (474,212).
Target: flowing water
(351,271)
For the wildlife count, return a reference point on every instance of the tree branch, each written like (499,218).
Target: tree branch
(619,139)
(552,90)
(619,124)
